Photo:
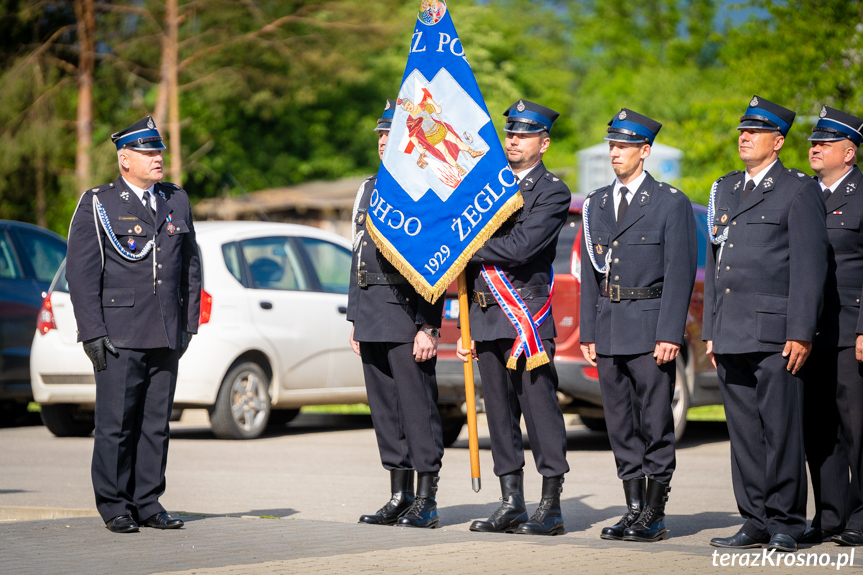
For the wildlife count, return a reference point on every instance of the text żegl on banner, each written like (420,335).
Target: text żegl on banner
(444,185)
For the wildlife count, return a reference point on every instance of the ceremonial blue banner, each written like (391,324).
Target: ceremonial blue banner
(444,185)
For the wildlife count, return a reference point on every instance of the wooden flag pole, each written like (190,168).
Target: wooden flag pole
(469,394)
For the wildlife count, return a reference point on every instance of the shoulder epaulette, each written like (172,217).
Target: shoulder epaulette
(797,173)
(594,192)
(102,188)
(667,187)
(551,177)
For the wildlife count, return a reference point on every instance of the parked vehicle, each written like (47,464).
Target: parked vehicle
(578,389)
(29,258)
(273,335)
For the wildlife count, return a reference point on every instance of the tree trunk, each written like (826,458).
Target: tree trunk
(85,13)
(168,89)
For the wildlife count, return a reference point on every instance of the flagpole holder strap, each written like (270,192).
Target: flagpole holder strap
(486,298)
(616,293)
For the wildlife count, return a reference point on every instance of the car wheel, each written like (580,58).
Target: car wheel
(593,423)
(66,420)
(280,417)
(243,405)
(680,399)
(452,428)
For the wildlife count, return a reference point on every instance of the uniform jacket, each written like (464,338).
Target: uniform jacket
(524,248)
(769,285)
(123,300)
(383,313)
(840,321)
(655,245)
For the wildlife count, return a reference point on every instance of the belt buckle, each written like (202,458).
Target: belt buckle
(614,292)
(362,278)
(480,299)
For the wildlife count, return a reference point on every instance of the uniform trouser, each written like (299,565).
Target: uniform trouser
(508,394)
(833,434)
(403,400)
(134,396)
(764,412)
(636,399)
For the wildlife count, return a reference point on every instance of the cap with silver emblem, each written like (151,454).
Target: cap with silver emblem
(765,115)
(141,136)
(385,122)
(629,126)
(526,117)
(834,125)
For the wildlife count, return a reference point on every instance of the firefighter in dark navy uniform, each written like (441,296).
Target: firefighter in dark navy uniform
(763,289)
(513,386)
(135,281)
(639,235)
(395,331)
(832,376)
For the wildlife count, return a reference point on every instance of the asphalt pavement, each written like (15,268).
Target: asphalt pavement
(289,502)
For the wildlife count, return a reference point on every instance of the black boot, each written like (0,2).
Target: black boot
(650,525)
(512,511)
(402,489)
(423,511)
(633,490)
(547,519)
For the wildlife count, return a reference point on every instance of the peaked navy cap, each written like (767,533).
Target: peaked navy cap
(141,136)
(629,126)
(385,122)
(763,114)
(835,125)
(526,117)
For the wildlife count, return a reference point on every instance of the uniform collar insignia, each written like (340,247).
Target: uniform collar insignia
(124,195)
(850,188)
(604,198)
(643,196)
(529,180)
(736,186)
(162,193)
(768,182)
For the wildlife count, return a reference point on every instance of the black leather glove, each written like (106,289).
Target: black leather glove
(185,338)
(95,350)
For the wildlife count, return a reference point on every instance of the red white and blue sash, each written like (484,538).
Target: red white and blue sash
(517,312)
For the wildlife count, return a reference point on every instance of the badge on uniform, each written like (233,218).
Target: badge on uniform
(598,249)
(849,189)
(768,182)
(138,229)
(164,197)
(737,185)
(171,228)
(723,219)
(604,197)
(124,195)
(131,242)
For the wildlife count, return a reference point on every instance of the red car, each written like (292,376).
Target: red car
(578,390)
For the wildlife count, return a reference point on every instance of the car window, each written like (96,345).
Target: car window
(231,254)
(274,264)
(332,264)
(8,267)
(564,244)
(701,226)
(60,284)
(43,252)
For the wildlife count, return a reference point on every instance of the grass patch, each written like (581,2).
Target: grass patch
(706,413)
(269,517)
(344,409)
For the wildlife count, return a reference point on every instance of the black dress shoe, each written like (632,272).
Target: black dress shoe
(782,543)
(849,538)
(815,535)
(122,524)
(162,520)
(739,540)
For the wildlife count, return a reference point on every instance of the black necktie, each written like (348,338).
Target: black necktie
(621,208)
(827,193)
(750,185)
(149,206)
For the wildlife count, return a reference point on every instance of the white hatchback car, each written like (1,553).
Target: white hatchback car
(273,335)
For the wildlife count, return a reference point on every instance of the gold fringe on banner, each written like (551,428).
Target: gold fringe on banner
(432,292)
